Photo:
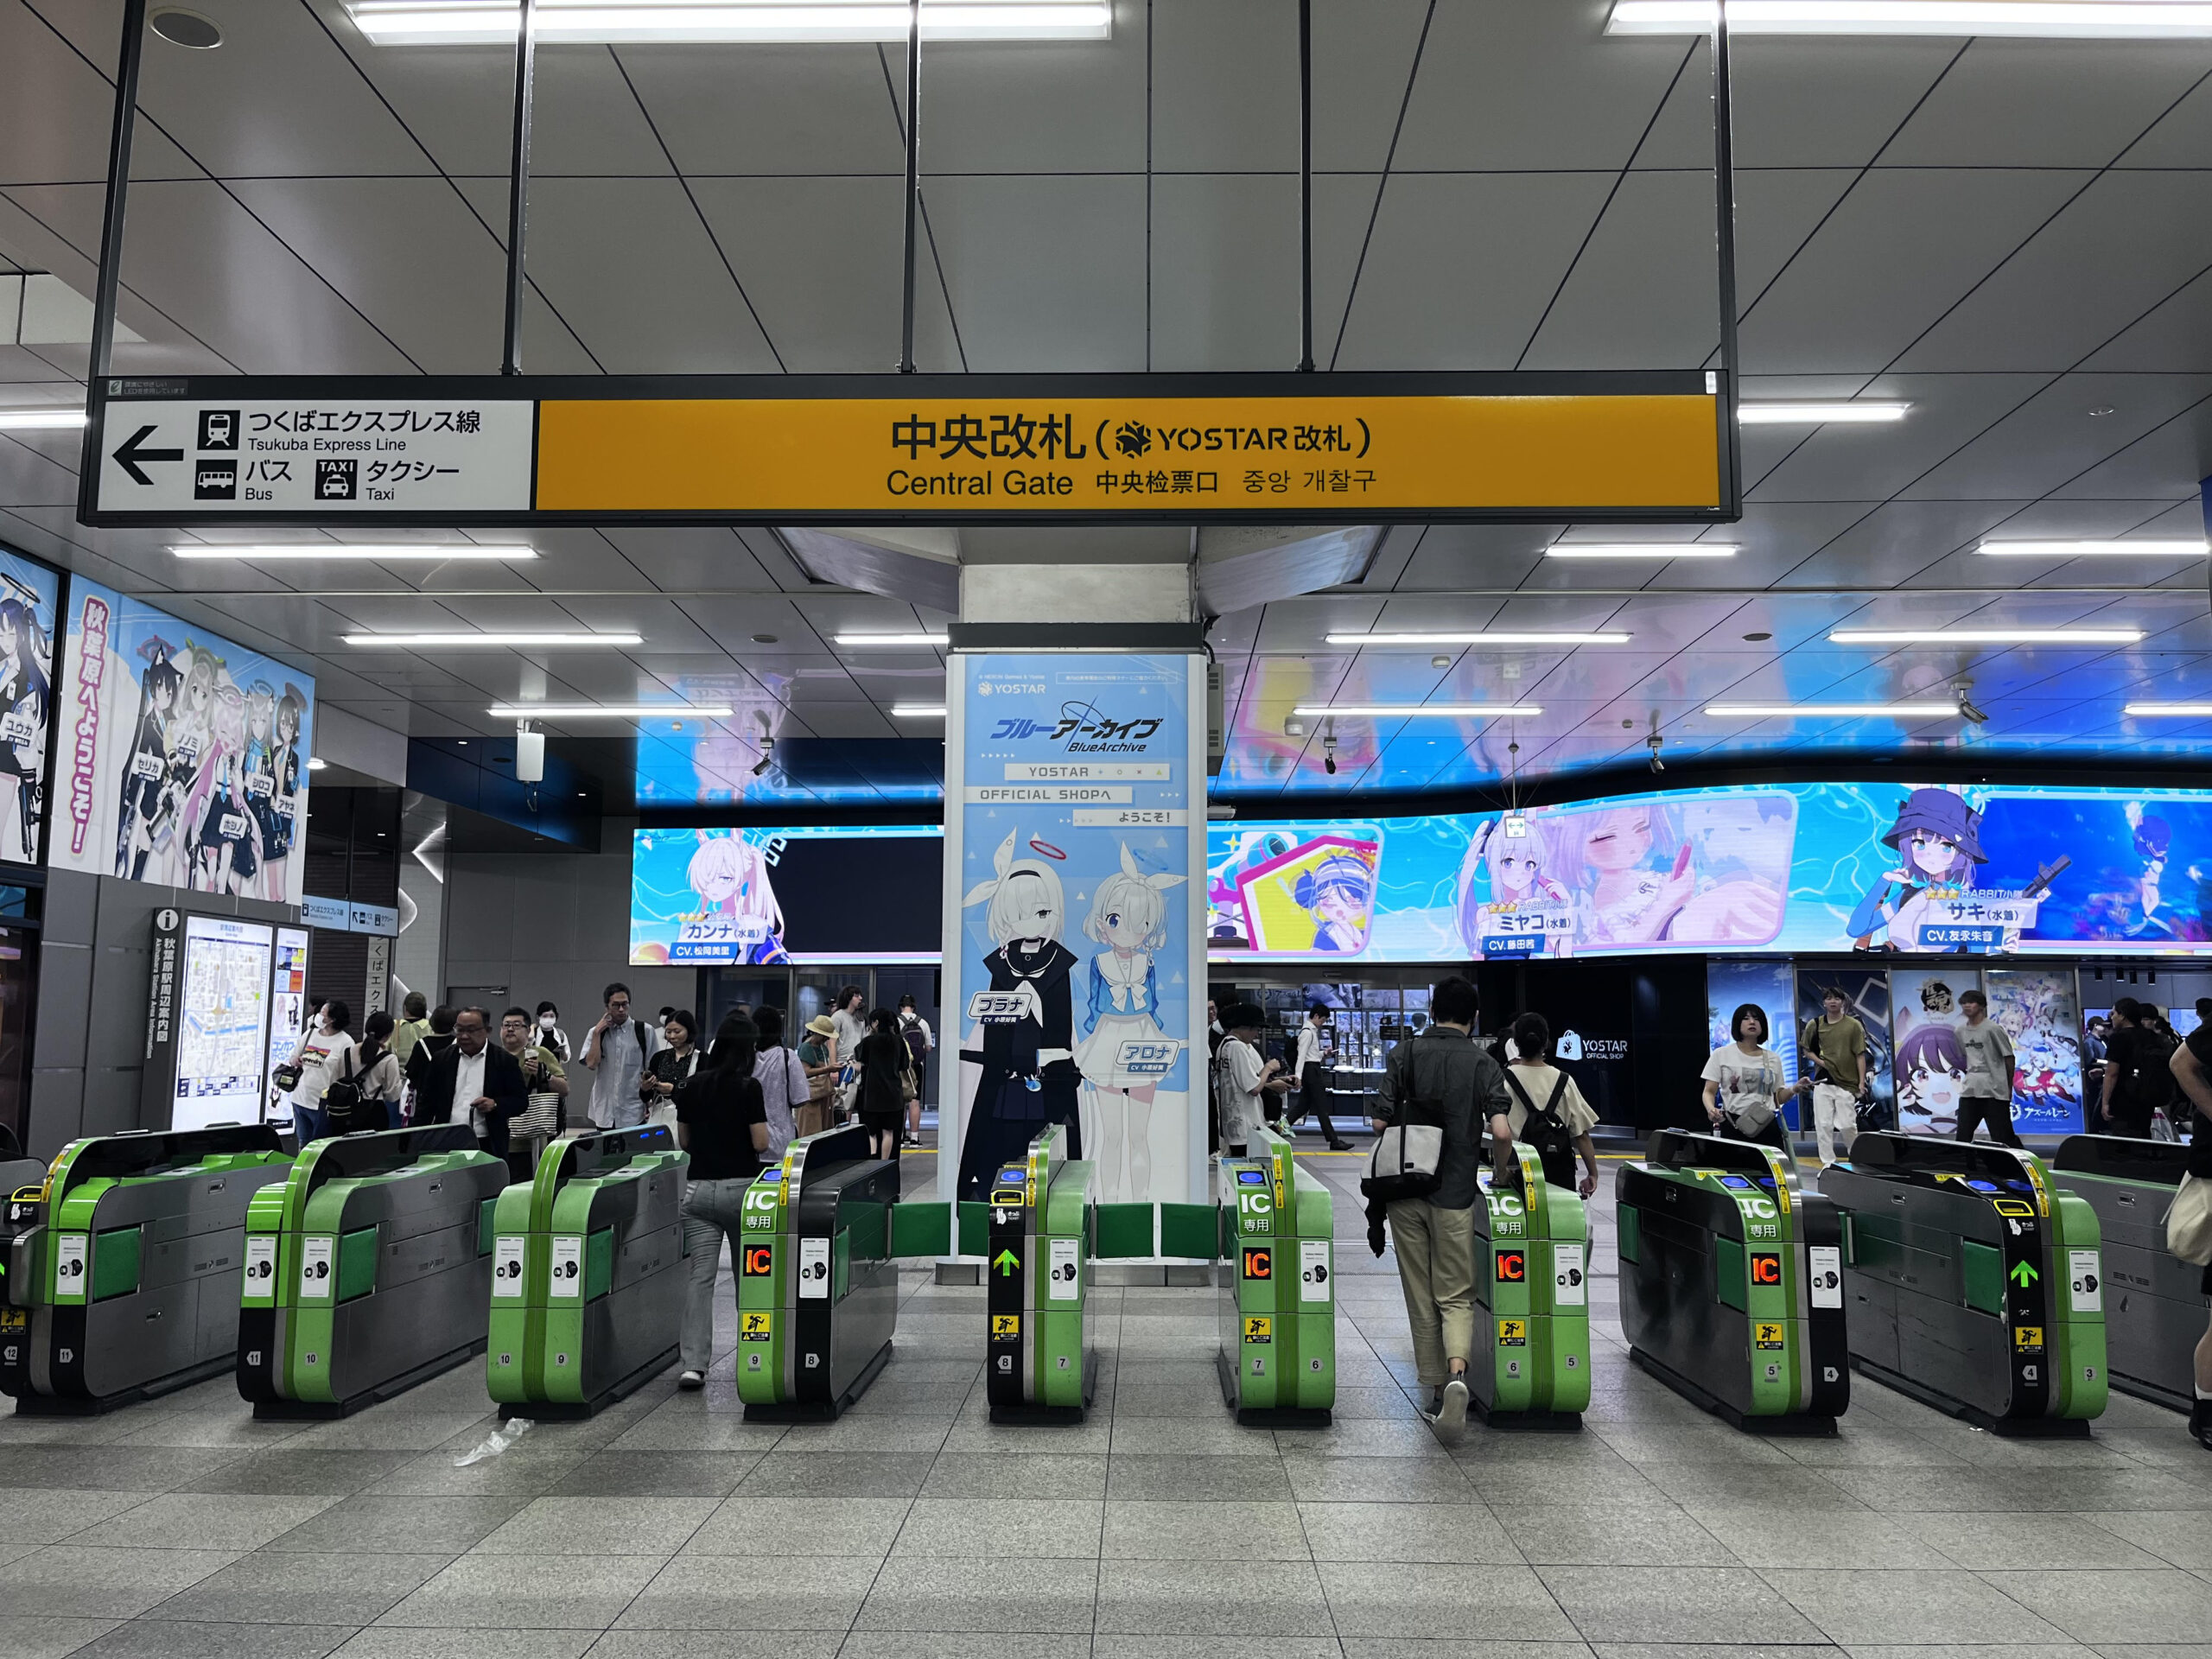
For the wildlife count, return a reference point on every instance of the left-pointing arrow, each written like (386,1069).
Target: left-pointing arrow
(131,451)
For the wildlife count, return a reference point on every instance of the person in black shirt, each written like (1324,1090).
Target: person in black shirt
(883,1058)
(721,1121)
(2138,1078)
(2191,1064)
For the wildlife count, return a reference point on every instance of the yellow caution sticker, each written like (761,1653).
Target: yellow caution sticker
(1258,1327)
(1767,1334)
(755,1326)
(2027,1338)
(1513,1333)
(1005,1327)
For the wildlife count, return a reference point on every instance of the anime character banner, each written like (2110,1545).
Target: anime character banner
(1930,1063)
(1878,868)
(800,894)
(2040,1011)
(1072,944)
(28,597)
(185,760)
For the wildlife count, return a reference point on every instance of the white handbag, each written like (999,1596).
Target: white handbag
(1404,1163)
(2188,1222)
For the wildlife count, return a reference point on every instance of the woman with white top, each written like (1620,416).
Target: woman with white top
(324,1055)
(1745,1086)
(1537,1087)
(783,1080)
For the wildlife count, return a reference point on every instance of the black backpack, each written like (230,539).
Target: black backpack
(1546,1131)
(2150,1084)
(917,1044)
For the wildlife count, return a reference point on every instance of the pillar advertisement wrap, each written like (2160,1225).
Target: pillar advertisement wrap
(1074,853)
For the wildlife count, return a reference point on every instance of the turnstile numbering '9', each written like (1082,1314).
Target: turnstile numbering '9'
(1277,1279)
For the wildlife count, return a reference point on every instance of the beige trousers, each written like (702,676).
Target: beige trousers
(1436,1267)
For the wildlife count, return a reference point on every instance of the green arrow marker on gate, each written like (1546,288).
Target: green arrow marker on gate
(1005,1261)
(2023,1276)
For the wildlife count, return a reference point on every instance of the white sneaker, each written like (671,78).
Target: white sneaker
(691,1379)
(1450,1420)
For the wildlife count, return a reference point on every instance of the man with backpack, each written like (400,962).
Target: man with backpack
(2138,1076)
(1549,1113)
(615,1055)
(914,1032)
(1440,1081)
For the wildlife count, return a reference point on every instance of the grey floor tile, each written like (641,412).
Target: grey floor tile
(2175,1536)
(658,1474)
(1368,1480)
(838,1474)
(1768,1538)
(985,1528)
(1201,1433)
(718,1644)
(1504,1603)
(868,1430)
(518,1592)
(1416,1647)
(1202,1598)
(1673,1603)
(385,1643)
(286,1471)
(2009,1650)
(1196,1479)
(151,1638)
(1565,1535)
(527,1471)
(1912,1605)
(1171,1530)
(822,1525)
(975,1435)
(1076,1475)
(1788,1486)
(591,1526)
(31,1637)
(399,1525)
(2024,1542)
(236,1428)
(1456,1535)
(965,1645)
(700,1593)
(1010,1594)
(276,1587)
(1707,1443)
(44,1516)
(681,1426)
(108,1468)
(378,1430)
(2120,1606)
(77,1580)
(1362,1437)
(205,1521)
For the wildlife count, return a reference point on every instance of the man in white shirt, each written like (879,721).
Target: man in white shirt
(1243,1084)
(615,1055)
(1987,1095)
(1312,1074)
(478,1083)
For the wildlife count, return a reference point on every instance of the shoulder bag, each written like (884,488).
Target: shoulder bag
(1409,1149)
(540,1119)
(2188,1222)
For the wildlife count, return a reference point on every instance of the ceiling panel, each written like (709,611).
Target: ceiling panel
(1871,463)
(1044,273)
(2024,104)
(2058,435)
(1034,106)
(821,111)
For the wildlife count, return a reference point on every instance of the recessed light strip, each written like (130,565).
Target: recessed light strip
(2145,549)
(1833,414)
(1640,551)
(42,420)
(1413,710)
(1479,638)
(493,22)
(402,553)
(1986,636)
(2181,711)
(607,710)
(912,640)
(2048,20)
(1833,710)
(917,710)
(488,641)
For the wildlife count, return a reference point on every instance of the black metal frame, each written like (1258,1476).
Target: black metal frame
(1302,382)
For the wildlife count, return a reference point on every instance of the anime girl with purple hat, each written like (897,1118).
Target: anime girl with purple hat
(1938,837)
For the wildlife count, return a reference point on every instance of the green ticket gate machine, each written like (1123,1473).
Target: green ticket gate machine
(1731,1282)
(1971,1282)
(2152,1300)
(367,1270)
(817,1290)
(17,1173)
(587,1273)
(1039,1364)
(1531,1298)
(123,1269)
(1278,1294)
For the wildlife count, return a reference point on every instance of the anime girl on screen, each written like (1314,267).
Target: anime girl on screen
(1938,839)
(737,902)
(1126,1054)
(1338,893)
(1522,898)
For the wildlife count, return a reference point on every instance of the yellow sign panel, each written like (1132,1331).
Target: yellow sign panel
(1767,1335)
(2027,1338)
(755,1327)
(1513,1333)
(1005,1327)
(1258,1328)
(1337,453)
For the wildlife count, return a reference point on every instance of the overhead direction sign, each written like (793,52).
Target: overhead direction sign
(1308,448)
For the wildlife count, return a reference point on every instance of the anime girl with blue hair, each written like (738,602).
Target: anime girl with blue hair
(1338,893)
(1938,838)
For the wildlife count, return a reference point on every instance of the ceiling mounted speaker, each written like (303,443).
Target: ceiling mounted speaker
(181,27)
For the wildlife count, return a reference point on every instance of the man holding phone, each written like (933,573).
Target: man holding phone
(615,1055)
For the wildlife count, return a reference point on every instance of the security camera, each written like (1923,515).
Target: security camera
(767,757)
(1329,753)
(1963,690)
(1653,743)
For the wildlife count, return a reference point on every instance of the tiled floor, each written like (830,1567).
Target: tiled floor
(669,1527)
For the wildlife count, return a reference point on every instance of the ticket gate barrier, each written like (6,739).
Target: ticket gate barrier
(587,1273)
(2153,1302)
(1731,1282)
(1532,1294)
(1039,1363)
(17,1172)
(817,1289)
(367,1270)
(1277,1282)
(124,1265)
(1973,1284)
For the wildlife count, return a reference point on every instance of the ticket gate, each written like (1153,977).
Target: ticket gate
(817,1289)
(124,1266)
(367,1270)
(1731,1282)
(2152,1300)
(16,1172)
(587,1273)
(1974,1285)
(1532,1300)
(1277,1283)
(1039,1363)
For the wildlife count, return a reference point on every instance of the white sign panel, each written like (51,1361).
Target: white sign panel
(72,1260)
(814,1269)
(2086,1269)
(261,1265)
(1826,1268)
(316,455)
(506,1264)
(567,1268)
(1065,1280)
(1570,1283)
(1313,1270)
(315,1268)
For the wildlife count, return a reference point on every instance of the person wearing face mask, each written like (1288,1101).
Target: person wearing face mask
(549,1034)
(324,1055)
(477,1083)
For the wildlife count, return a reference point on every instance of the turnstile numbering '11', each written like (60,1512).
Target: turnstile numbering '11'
(1277,1280)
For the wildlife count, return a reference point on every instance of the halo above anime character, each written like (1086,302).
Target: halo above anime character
(1126,1052)
(1338,893)
(1024,897)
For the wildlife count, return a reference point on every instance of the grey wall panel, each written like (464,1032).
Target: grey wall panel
(65,1001)
(112,1102)
(57,1109)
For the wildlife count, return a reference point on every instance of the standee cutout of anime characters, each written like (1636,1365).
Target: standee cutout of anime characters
(1125,1053)
(738,901)
(1022,1027)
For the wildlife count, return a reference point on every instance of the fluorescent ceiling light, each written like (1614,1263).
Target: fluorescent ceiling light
(1488,638)
(1408,710)
(1833,710)
(42,420)
(1640,551)
(2147,549)
(1986,636)
(2191,710)
(919,710)
(494,23)
(1852,414)
(605,710)
(474,640)
(909,639)
(316,763)
(2052,20)
(406,553)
